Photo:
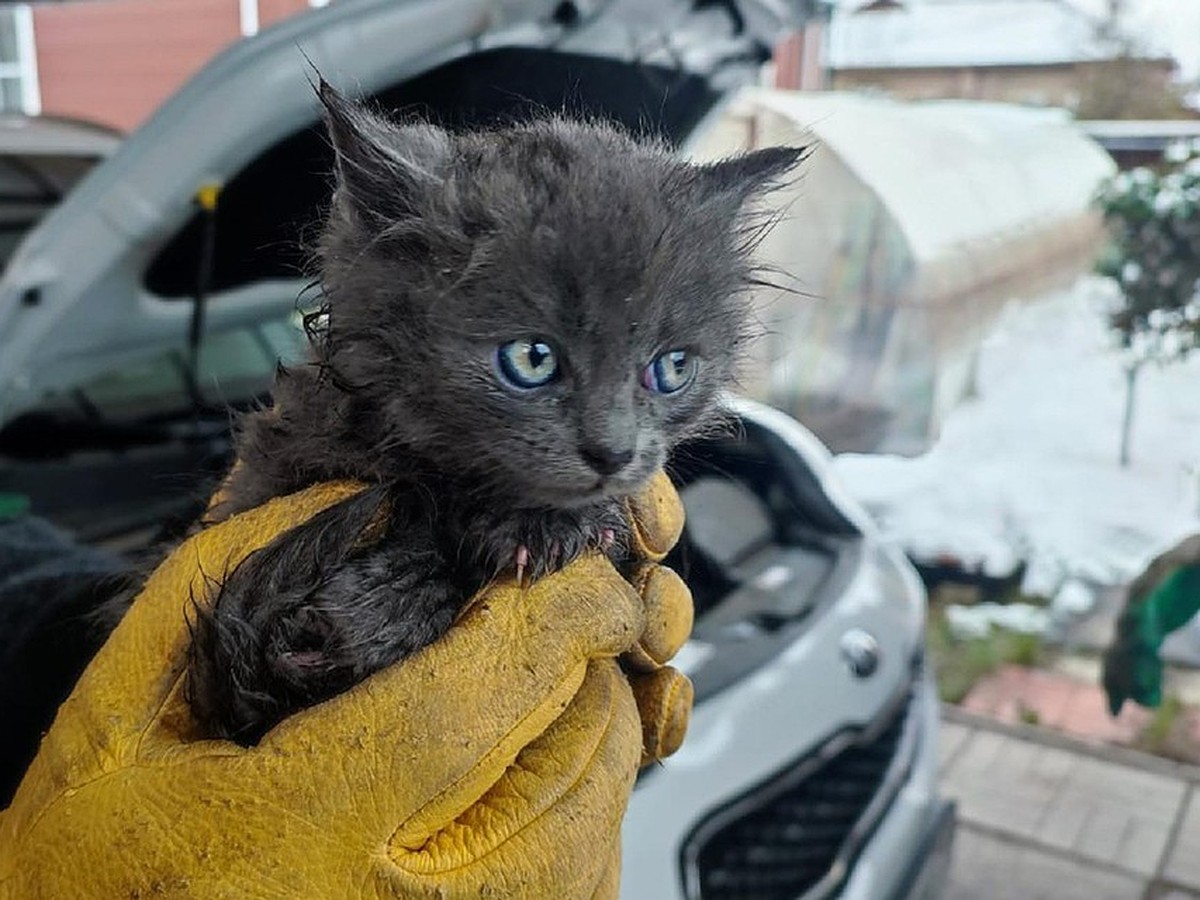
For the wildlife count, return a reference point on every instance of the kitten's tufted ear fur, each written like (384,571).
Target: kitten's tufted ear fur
(740,178)
(383,167)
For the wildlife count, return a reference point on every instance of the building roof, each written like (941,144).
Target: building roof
(1137,135)
(954,33)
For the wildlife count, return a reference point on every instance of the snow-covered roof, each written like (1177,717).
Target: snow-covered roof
(944,33)
(1125,128)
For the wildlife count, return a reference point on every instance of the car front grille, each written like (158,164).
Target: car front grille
(796,834)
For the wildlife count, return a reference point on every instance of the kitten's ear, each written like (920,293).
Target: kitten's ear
(741,177)
(382,166)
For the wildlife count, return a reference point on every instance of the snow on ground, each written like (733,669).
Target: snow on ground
(1028,468)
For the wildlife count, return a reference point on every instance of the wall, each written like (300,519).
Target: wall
(1037,85)
(272,11)
(114,61)
(798,59)
(1056,85)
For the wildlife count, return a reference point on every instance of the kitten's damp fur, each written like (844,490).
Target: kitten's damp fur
(438,248)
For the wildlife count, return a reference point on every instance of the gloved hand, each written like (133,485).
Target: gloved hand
(496,762)
(1162,599)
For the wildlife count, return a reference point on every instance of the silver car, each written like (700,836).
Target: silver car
(810,767)
(132,317)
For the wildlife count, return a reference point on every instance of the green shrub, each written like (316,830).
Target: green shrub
(1154,256)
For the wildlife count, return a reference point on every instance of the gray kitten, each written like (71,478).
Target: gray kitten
(520,325)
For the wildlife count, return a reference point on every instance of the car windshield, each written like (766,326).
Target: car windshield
(234,367)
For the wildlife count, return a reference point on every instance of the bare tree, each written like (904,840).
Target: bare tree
(1128,83)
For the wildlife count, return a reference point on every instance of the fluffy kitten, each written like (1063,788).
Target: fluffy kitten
(520,324)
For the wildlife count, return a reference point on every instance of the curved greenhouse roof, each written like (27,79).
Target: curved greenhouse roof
(911,226)
(953,173)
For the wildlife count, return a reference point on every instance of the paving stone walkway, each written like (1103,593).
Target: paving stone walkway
(1042,817)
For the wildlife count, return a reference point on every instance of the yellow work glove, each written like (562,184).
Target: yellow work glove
(496,762)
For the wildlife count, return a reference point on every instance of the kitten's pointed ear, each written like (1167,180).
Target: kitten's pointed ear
(742,177)
(382,166)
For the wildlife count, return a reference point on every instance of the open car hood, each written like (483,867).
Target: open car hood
(110,274)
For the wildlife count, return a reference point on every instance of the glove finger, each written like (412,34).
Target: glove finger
(1115,678)
(664,700)
(498,679)
(669,615)
(656,517)
(534,831)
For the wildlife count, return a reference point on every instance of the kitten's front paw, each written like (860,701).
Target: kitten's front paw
(534,545)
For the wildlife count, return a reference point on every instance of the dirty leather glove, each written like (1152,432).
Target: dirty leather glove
(496,762)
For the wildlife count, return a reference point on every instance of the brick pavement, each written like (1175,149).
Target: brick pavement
(1044,816)
(1071,705)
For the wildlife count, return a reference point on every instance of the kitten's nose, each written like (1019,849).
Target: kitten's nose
(606,460)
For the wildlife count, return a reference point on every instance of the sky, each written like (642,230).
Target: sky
(1172,24)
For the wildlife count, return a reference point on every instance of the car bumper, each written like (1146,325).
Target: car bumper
(908,855)
(926,880)
(905,854)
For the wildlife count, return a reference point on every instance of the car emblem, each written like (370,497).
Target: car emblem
(861,652)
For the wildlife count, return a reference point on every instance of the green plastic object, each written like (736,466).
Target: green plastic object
(1132,668)
(13,505)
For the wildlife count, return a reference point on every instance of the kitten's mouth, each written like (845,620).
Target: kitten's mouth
(616,486)
(600,489)
(584,492)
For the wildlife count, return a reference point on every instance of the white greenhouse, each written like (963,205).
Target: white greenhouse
(910,227)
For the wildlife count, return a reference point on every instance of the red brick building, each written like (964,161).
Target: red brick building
(114,61)
(799,59)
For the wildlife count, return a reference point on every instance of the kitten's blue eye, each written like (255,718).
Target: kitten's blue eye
(527,364)
(670,372)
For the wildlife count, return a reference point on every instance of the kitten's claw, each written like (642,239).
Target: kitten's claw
(522,564)
(607,538)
